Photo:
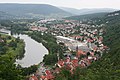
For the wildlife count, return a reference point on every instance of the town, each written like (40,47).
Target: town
(59,40)
(83,42)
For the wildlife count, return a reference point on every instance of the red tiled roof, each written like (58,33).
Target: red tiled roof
(34,78)
(61,62)
(43,77)
(49,77)
(80,52)
(75,62)
(47,72)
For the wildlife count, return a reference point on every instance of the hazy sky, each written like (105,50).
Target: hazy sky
(72,3)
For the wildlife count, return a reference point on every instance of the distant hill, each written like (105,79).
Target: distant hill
(87,11)
(33,10)
(4,15)
(87,16)
(71,10)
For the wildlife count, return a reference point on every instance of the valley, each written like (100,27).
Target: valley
(51,43)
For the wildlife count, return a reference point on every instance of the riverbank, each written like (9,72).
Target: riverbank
(49,41)
(10,49)
(14,46)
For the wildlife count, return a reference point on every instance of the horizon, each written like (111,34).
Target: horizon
(81,4)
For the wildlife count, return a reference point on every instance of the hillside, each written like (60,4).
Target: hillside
(87,11)
(71,10)
(33,10)
(108,67)
(87,16)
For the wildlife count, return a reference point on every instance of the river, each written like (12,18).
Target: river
(34,52)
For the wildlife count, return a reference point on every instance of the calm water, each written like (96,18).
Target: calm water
(34,52)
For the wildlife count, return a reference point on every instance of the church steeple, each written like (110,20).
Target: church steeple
(58,56)
(77,48)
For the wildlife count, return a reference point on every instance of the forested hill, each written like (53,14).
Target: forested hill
(33,10)
(112,27)
(108,67)
(113,17)
(87,16)
(85,11)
